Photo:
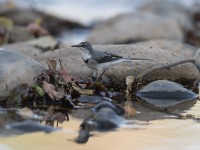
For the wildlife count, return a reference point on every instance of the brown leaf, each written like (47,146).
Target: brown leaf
(65,75)
(52,64)
(82,91)
(58,95)
(49,89)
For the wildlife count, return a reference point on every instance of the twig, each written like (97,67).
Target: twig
(156,68)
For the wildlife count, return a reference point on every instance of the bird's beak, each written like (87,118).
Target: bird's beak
(75,45)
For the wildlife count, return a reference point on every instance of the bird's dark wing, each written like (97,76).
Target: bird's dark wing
(103,57)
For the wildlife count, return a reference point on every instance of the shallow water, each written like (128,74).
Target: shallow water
(157,135)
(162,134)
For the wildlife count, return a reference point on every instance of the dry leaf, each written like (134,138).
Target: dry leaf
(58,95)
(52,64)
(65,75)
(82,91)
(49,89)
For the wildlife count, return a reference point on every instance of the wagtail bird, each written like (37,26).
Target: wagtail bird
(100,61)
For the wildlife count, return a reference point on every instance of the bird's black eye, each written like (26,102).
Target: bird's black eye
(83,45)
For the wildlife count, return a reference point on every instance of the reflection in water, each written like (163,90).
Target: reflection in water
(162,134)
(194,111)
(158,135)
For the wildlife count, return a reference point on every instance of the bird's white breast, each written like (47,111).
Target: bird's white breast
(86,55)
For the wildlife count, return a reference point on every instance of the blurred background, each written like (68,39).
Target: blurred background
(100,21)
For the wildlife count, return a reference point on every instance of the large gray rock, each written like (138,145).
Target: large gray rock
(34,47)
(23,48)
(127,28)
(16,69)
(164,93)
(167,9)
(177,47)
(72,58)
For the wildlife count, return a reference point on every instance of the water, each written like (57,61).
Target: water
(159,134)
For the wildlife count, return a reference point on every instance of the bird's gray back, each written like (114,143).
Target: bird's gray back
(103,57)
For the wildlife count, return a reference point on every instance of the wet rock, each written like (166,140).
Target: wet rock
(173,10)
(17,95)
(16,69)
(72,58)
(28,126)
(132,27)
(8,116)
(176,47)
(14,122)
(164,93)
(106,117)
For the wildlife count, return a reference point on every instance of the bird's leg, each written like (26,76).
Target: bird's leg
(94,75)
(99,74)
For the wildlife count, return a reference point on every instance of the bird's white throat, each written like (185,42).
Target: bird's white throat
(86,55)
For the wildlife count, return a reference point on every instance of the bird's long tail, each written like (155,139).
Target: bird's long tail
(134,59)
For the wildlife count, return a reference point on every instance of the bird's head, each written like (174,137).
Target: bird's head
(84,46)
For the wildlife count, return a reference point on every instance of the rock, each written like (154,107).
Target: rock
(19,34)
(23,48)
(92,99)
(106,117)
(6,7)
(173,10)
(54,24)
(29,126)
(34,47)
(164,93)
(6,23)
(45,43)
(76,67)
(132,27)
(177,47)
(197,59)
(16,69)
(22,16)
